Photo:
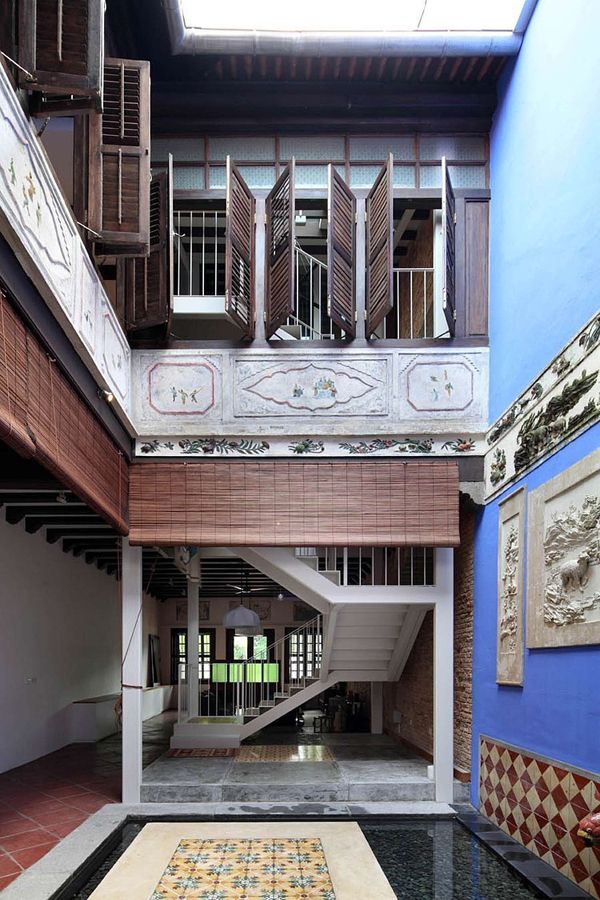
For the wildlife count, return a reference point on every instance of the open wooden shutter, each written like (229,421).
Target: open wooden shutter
(120,160)
(380,248)
(145,283)
(341,253)
(239,251)
(61,44)
(280,251)
(449,249)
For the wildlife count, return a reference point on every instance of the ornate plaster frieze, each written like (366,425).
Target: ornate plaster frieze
(404,396)
(320,446)
(564,558)
(560,404)
(39,226)
(511,546)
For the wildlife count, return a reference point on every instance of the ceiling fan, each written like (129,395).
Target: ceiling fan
(244,588)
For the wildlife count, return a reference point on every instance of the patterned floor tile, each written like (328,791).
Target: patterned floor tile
(283,753)
(272,868)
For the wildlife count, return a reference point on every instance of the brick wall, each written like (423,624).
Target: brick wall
(408,703)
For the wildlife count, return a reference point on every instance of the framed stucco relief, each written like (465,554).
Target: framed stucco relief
(563,587)
(511,584)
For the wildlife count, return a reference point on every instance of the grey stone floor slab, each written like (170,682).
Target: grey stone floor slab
(283,773)
(186,771)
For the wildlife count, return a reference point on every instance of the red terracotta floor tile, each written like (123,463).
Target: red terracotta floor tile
(89,804)
(8,866)
(6,879)
(16,826)
(41,805)
(27,857)
(66,792)
(47,820)
(27,839)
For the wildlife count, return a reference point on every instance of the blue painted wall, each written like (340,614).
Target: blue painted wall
(544,286)
(545,182)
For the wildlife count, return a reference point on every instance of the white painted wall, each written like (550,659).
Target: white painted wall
(61,626)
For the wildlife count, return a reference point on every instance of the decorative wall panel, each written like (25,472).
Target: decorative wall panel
(322,387)
(376,401)
(539,802)
(559,405)
(39,226)
(182,386)
(563,588)
(511,552)
(296,445)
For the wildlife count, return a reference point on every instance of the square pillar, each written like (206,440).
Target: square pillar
(193,627)
(132,670)
(443,689)
(377,707)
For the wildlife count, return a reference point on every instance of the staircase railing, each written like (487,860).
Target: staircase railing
(246,688)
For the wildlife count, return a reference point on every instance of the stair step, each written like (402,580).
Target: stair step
(280,696)
(311,561)
(333,575)
(266,704)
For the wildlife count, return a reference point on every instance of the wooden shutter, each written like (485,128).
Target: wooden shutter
(61,44)
(120,160)
(280,251)
(145,283)
(449,249)
(380,248)
(341,253)
(239,251)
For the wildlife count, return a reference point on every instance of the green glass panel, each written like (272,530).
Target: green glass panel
(219,673)
(236,672)
(271,673)
(254,673)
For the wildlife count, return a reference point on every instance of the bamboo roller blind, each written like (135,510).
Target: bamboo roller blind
(42,416)
(295,503)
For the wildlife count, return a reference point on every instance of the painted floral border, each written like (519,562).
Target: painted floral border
(301,446)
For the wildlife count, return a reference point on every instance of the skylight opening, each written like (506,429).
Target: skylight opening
(339,16)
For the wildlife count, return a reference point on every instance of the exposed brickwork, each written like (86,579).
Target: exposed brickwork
(408,703)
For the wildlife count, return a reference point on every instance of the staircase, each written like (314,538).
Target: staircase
(353,637)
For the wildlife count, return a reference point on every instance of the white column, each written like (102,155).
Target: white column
(193,626)
(377,707)
(132,671)
(443,685)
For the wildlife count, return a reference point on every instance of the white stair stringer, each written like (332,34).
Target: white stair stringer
(285,706)
(291,572)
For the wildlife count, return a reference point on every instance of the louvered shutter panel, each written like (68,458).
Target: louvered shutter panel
(341,253)
(120,160)
(239,251)
(61,43)
(449,249)
(380,248)
(145,283)
(280,251)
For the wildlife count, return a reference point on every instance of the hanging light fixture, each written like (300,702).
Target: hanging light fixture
(244,621)
(241,618)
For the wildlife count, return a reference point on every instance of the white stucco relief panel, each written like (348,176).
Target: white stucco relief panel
(318,386)
(444,386)
(178,390)
(41,230)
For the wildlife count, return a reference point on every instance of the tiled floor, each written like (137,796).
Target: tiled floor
(43,801)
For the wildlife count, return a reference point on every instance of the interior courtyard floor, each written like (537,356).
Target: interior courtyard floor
(289,765)
(45,800)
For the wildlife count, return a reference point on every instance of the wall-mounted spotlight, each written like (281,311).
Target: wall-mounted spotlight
(106,395)
(61,497)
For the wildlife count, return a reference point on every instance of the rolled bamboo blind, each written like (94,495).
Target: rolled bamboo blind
(43,416)
(383,502)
